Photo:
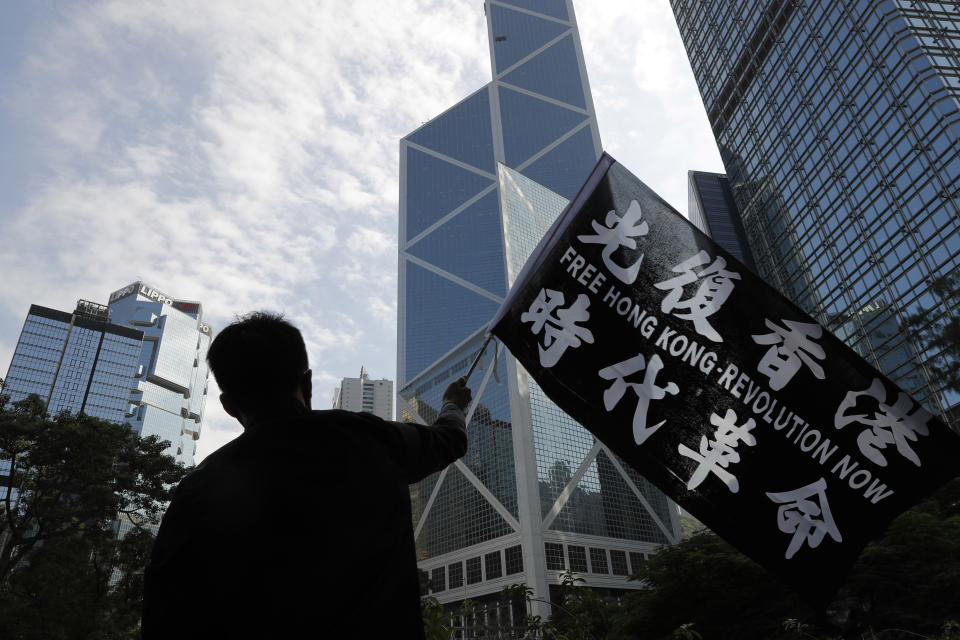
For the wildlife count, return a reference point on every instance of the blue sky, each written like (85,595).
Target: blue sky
(245,154)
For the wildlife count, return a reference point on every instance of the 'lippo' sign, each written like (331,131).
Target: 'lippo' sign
(144,290)
(717,388)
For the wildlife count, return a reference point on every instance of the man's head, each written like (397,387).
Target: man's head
(259,360)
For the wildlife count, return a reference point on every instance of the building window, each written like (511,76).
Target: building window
(618,562)
(455,575)
(513,556)
(438,579)
(474,572)
(554,556)
(578,558)
(493,565)
(598,560)
(637,560)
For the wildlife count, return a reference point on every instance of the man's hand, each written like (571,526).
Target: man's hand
(458,393)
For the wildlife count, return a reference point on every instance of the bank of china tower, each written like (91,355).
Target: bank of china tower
(536,493)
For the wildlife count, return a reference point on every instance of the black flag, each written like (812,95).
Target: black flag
(718,389)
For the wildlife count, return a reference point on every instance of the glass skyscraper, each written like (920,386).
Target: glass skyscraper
(536,494)
(839,127)
(170,385)
(75,361)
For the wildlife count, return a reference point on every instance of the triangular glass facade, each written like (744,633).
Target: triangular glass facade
(460,517)
(469,245)
(546,74)
(435,188)
(462,133)
(564,168)
(517,34)
(531,124)
(432,303)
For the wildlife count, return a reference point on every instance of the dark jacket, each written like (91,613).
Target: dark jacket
(298,528)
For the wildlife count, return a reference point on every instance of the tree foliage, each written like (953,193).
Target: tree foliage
(939,334)
(63,572)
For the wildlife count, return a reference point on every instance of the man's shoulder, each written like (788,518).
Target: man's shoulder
(229,455)
(342,416)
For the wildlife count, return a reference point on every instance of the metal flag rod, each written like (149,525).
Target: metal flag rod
(476,360)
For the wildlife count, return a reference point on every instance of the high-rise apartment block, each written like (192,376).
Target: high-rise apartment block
(536,493)
(364,394)
(839,127)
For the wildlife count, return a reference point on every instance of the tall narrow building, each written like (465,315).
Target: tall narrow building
(536,494)
(364,394)
(712,209)
(839,127)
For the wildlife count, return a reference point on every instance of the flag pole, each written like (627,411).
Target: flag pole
(476,360)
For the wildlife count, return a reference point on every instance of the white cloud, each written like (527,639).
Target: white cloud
(245,154)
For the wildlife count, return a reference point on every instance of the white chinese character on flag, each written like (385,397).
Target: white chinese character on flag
(886,424)
(560,329)
(619,232)
(646,390)
(715,287)
(716,455)
(791,347)
(809,520)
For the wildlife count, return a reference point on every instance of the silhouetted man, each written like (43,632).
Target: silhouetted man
(300,527)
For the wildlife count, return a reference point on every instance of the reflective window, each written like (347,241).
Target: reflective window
(618,562)
(469,245)
(462,133)
(460,517)
(435,188)
(474,570)
(530,124)
(553,8)
(455,575)
(598,560)
(432,301)
(438,579)
(578,558)
(554,554)
(517,35)
(548,73)
(513,558)
(565,168)
(492,565)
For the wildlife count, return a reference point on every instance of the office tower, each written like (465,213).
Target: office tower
(480,183)
(364,394)
(839,127)
(170,385)
(712,209)
(75,361)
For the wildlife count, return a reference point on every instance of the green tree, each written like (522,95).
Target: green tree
(71,477)
(581,614)
(436,621)
(939,334)
(705,584)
